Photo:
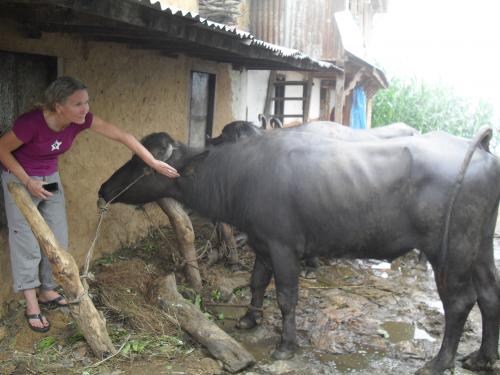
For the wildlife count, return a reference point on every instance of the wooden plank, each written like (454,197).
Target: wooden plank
(307,102)
(270,89)
(291,83)
(339,98)
(282,116)
(280,98)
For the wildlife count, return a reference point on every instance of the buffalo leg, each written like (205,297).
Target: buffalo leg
(458,296)
(487,288)
(286,276)
(226,235)
(261,276)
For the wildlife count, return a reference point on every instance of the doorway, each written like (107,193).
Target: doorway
(23,80)
(201,112)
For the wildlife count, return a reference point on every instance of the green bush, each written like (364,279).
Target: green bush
(432,107)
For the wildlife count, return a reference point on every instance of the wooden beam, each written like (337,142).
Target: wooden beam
(339,98)
(307,102)
(270,91)
(184,232)
(353,82)
(222,346)
(88,319)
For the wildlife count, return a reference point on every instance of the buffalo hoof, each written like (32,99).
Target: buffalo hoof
(283,353)
(308,274)
(246,323)
(476,361)
(430,369)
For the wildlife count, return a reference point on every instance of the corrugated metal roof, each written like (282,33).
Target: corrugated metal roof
(246,37)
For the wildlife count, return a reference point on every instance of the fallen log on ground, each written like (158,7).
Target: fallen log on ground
(65,271)
(184,232)
(222,346)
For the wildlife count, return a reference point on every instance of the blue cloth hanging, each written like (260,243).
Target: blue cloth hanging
(358,109)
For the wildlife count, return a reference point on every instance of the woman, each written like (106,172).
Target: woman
(29,154)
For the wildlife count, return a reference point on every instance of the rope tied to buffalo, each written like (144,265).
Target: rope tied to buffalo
(102,211)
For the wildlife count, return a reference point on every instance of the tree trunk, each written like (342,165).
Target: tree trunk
(65,270)
(222,346)
(185,238)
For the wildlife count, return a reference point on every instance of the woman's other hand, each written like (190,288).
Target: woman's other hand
(35,187)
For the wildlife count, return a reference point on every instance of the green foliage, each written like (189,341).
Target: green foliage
(432,107)
(197,301)
(45,343)
(216,295)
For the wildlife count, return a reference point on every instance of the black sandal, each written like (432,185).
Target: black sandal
(53,303)
(40,317)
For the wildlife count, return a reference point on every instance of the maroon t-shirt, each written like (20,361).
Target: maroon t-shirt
(41,145)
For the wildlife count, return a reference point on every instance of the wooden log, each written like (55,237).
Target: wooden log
(65,270)
(185,238)
(222,346)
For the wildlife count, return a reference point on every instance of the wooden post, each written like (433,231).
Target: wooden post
(339,98)
(185,238)
(65,271)
(222,346)
(307,101)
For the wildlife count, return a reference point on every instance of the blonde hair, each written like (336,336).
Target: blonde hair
(59,91)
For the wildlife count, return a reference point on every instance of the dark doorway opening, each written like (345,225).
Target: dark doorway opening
(23,79)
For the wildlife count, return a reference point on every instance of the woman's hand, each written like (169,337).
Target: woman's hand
(164,168)
(113,132)
(35,187)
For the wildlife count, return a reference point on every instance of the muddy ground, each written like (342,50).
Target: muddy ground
(356,317)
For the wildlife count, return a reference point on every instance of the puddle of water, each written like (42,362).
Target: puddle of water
(262,349)
(345,362)
(399,331)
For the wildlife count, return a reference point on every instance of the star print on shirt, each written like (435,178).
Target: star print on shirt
(56,145)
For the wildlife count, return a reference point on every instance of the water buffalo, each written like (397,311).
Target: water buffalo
(238,130)
(346,199)
(234,131)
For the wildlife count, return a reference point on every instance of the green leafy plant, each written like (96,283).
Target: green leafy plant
(429,107)
(136,346)
(45,343)
(197,301)
(216,295)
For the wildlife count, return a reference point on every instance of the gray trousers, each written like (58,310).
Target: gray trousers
(30,267)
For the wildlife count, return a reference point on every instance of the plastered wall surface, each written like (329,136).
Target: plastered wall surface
(256,93)
(138,90)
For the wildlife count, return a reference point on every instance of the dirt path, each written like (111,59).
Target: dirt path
(357,317)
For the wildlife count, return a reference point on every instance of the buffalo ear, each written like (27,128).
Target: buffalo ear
(164,153)
(193,162)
